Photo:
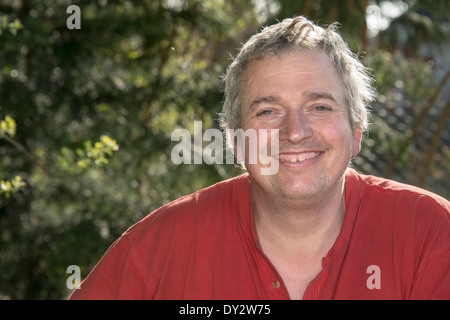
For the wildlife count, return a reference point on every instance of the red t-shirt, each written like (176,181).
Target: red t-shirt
(394,244)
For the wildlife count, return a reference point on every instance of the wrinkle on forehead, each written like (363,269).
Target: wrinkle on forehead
(293,71)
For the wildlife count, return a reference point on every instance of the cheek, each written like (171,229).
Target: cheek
(338,133)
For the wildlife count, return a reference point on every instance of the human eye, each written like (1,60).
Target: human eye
(268,114)
(264,112)
(322,108)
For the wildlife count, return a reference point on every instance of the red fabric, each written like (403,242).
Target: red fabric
(203,246)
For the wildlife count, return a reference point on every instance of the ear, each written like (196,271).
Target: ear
(357,137)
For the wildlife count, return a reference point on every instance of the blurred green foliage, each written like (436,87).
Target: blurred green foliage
(87,116)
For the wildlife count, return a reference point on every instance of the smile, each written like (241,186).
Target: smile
(298,157)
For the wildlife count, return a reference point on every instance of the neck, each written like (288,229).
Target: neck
(293,226)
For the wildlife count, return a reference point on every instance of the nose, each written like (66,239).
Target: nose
(295,128)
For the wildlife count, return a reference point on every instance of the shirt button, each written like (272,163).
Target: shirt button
(276,284)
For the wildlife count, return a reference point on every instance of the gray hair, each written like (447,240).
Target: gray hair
(293,34)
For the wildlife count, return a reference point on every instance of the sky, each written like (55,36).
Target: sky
(379,17)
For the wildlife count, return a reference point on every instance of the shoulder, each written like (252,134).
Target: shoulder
(180,214)
(385,190)
(403,229)
(206,198)
(396,207)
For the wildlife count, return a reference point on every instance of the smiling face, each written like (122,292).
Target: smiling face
(301,94)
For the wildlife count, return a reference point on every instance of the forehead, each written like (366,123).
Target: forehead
(292,73)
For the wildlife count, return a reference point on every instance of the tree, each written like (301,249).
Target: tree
(95,108)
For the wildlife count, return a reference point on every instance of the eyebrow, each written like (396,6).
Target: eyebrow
(310,95)
(265,99)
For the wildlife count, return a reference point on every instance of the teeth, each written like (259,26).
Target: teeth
(293,158)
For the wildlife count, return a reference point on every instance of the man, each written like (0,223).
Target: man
(315,229)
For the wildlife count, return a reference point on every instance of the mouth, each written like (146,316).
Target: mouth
(297,158)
